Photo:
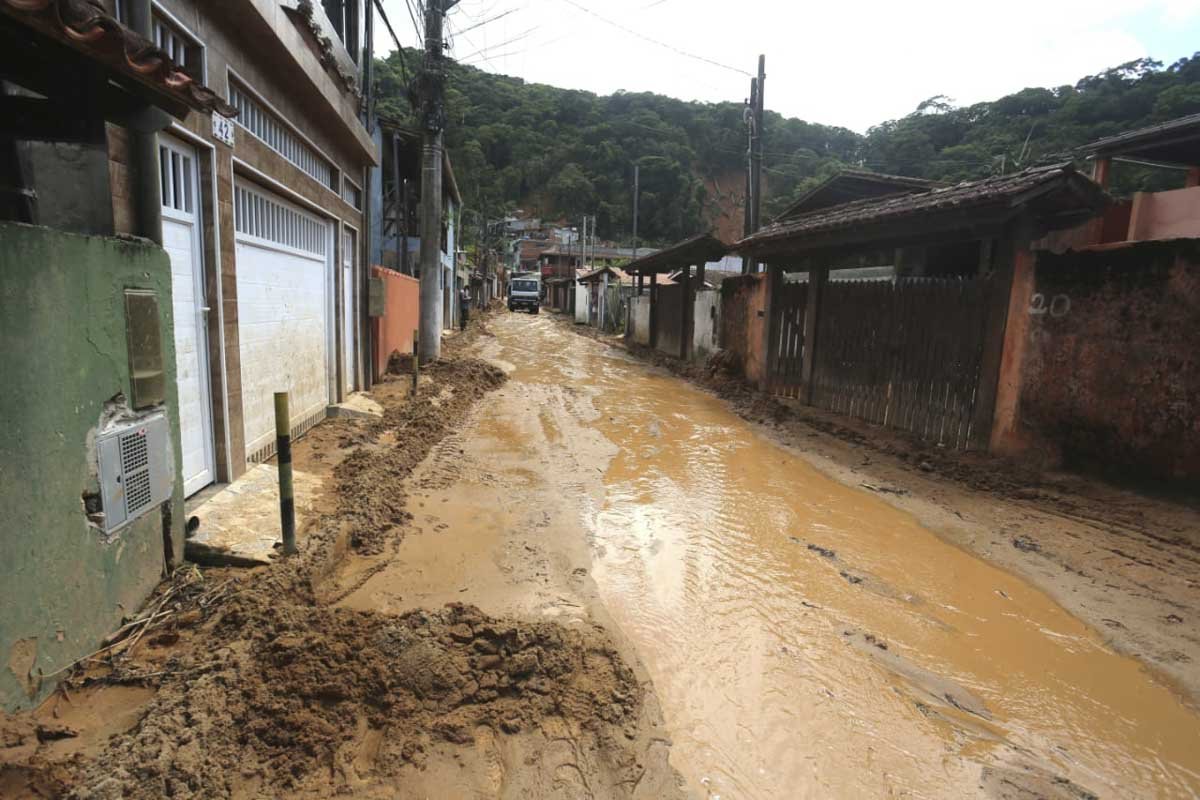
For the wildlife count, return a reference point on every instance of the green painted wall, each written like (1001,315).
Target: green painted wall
(63,587)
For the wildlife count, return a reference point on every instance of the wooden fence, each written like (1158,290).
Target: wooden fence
(904,354)
(787,354)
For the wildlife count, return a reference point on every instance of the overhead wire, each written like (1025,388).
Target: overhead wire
(659,43)
(395,39)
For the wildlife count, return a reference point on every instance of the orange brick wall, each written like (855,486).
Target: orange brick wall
(394,330)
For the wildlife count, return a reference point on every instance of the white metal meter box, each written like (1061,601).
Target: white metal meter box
(134,473)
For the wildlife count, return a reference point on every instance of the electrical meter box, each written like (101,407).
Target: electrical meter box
(135,475)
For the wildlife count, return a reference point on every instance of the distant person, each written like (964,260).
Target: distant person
(464,306)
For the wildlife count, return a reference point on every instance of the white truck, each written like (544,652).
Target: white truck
(525,291)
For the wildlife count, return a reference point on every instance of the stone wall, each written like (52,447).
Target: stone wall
(64,583)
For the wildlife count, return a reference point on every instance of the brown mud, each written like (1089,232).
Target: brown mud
(1124,561)
(932,631)
(274,691)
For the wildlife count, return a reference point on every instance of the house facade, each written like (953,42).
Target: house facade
(263,217)
(181,229)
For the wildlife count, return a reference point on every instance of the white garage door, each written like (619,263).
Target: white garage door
(284,310)
(181,240)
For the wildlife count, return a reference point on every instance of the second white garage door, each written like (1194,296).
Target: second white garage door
(284,282)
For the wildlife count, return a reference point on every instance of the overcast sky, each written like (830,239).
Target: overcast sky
(838,62)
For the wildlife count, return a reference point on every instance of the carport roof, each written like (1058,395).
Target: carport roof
(1174,142)
(696,250)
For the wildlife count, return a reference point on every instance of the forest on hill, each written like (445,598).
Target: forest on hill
(562,153)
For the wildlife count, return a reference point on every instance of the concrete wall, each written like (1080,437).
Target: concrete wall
(582,299)
(670,316)
(64,585)
(639,318)
(706,323)
(743,304)
(394,330)
(1165,215)
(1101,369)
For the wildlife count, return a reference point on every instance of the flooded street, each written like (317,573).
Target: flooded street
(804,638)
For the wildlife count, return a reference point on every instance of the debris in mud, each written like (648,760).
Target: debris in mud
(284,701)
(885,489)
(1026,545)
(851,578)
(824,552)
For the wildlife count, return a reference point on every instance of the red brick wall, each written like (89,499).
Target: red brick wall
(394,330)
(1109,376)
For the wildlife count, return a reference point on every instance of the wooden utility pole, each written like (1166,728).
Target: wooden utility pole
(637,174)
(433,118)
(754,157)
(757,144)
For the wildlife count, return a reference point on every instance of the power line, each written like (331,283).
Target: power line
(516,38)
(413,16)
(653,41)
(486,21)
(395,40)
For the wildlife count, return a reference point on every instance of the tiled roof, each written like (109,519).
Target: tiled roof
(855,184)
(87,27)
(1002,192)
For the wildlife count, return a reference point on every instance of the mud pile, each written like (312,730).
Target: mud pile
(371,501)
(288,704)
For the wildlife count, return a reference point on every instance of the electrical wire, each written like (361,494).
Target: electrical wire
(395,40)
(657,42)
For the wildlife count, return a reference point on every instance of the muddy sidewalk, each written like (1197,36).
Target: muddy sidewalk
(271,688)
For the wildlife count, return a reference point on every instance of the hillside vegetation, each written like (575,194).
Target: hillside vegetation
(565,153)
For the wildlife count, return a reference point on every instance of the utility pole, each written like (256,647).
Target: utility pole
(754,156)
(432,89)
(637,174)
(583,245)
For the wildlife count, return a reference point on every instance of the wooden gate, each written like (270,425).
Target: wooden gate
(787,362)
(904,354)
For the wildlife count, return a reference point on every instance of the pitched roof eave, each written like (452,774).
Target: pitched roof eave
(87,28)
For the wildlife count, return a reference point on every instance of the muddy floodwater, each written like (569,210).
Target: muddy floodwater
(805,638)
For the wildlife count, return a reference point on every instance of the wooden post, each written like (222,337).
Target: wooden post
(1101,168)
(416,362)
(283,454)
(1193,178)
(653,310)
(817,278)
(774,279)
(685,315)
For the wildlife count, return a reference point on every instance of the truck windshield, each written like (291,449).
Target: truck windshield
(525,286)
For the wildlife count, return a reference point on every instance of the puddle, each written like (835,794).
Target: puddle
(808,640)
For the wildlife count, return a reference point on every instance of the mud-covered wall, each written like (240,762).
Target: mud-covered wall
(64,584)
(401,316)
(669,314)
(639,320)
(743,303)
(1110,375)
(705,323)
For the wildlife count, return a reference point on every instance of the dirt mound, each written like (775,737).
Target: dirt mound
(288,702)
(395,445)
